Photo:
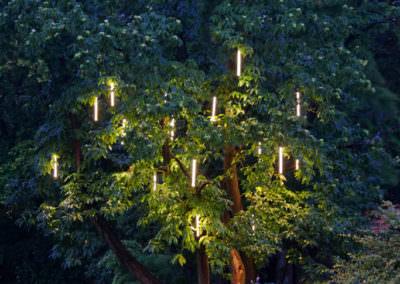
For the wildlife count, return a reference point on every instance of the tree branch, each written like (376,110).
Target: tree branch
(184,170)
(200,188)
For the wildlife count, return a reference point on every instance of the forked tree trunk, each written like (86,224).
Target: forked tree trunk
(203,268)
(113,242)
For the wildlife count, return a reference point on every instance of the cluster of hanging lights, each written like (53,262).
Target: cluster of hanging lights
(172,135)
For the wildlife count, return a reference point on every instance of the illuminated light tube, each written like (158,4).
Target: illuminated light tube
(124,124)
(154,181)
(214,109)
(112,97)
(281,160)
(298,107)
(259,150)
(96,110)
(197,226)
(172,124)
(238,63)
(297,164)
(194,173)
(253,227)
(165,95)
(55,167)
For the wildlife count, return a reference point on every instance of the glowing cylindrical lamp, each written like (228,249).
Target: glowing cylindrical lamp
(297,164)
(253,226)
(197,226)
(172,124)
(259,150)
(124,124)
(214,108)
(112,97)
(194,173)
(55,167)
(96,110)
(298,107)
(281,160)
(154,181)
(238,63)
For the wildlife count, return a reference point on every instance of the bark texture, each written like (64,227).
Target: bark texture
(203,268)
(238,269)
(251,272)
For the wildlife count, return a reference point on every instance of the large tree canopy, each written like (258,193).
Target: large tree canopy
(165,62)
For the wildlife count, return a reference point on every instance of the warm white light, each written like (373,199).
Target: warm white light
(281,160)
(253,227)
(194,173)
(112,98)
(238,63)
(55,167)
(172,124)
(259,148)
(154,181)
(96,110)
(124,124)
(298,112)
(297,164)
(197,226)
(165,95)
(214,108)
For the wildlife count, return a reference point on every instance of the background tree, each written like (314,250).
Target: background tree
(378,260)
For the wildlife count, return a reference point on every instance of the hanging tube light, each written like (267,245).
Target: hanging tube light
(112,97)
(298,107)
(214,109)
(155,181)
(197,226)
(96,110)
(259,150)
(172,124)
(238,63)
(194,173)
(281,160)
(55,167)
(297,164)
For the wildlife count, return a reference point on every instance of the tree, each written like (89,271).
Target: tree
(165,63)
(378,261)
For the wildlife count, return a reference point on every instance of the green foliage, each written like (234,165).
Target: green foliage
(156,263)
(378,261)
(167,60)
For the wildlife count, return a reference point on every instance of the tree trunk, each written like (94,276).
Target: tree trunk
(251,272)
(122,253)
(243,268)
(284,271)
(238,269)
(232,183)
(203,268)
